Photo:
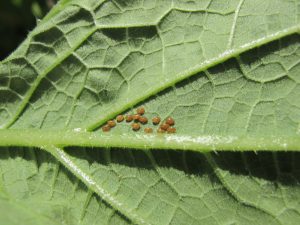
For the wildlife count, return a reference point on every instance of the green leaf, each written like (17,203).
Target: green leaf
(227,72)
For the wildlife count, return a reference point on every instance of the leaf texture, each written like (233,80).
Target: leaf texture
(227,69)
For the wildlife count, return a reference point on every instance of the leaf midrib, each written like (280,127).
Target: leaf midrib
(200,143)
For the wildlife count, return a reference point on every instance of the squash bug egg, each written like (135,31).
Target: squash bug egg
(156,120)
(106,128)
(120,118)
(140,110)
(143,120)
(148,130)
(171,130)
(129,118)
(164,126)
(136,117)
(159,130)
(170,121)
(135,126)
(111,123)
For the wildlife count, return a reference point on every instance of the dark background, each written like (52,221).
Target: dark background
(17,19)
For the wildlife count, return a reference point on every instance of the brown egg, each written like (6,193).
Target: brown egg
(129,118)
(106,128)
(111,123)
(156,120)
(140,110)
(164,126)
(135,126)
(136,117)
(171,130)
(120,118)
(143,120)
(170,121)
(148,130)
(159,130)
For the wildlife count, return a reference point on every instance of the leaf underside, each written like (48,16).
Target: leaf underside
(227,69)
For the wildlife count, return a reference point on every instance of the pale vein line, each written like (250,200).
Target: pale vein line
(112,111)
(64,158)
(204,65)
(5,196)
(250,114)
(163,53)
(54,179)
(236,14)
(227,187)
(85,204)
(40,77)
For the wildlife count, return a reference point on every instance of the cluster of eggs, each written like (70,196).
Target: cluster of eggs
(138,119)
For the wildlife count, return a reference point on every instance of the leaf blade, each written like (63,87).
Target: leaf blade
(133,52)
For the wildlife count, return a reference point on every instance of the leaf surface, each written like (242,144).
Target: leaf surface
(227,72)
